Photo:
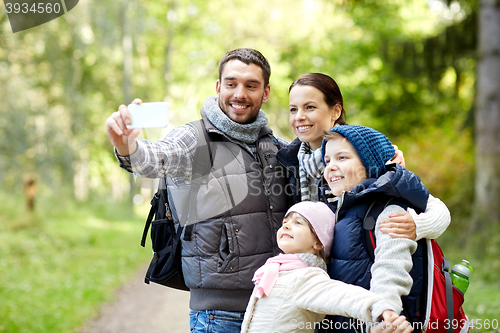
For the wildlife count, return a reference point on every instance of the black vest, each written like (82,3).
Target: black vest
(239,207)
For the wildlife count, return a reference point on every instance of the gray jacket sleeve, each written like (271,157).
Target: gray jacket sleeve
(393,262)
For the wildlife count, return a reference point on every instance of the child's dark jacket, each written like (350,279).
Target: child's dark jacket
(350,261)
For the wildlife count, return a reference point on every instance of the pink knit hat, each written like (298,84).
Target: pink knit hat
(322,219)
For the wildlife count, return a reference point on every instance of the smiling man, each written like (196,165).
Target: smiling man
(242,88)
(235,229)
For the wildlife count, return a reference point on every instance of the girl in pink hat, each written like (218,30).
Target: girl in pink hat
(293,292)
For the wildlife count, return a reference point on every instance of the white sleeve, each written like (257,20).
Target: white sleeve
(433,222)
(316,292)
(393,262)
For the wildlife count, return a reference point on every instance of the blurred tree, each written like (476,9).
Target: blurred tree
(404,66)
(487,194)
(128,58)
(418,88)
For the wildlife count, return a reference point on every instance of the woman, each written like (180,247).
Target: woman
(316,105)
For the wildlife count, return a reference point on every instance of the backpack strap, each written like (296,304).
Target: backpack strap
(152,211)
(202,163)
(161,193)
(202,156)
(449,293)
(369,222)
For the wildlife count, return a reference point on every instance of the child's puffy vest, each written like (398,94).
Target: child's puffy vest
(350,262)
(434,305)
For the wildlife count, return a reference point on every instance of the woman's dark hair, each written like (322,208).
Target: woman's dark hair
(328,87)
(247,56)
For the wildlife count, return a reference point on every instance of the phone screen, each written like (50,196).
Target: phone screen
(149,115)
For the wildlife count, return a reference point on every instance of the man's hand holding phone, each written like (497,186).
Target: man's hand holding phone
(124,126)
(124,140)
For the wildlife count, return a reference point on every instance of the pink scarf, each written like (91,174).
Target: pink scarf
(265,277)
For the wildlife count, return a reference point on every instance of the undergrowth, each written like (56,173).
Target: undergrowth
(59,263)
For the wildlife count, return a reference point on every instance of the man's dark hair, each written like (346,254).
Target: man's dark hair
(247,56)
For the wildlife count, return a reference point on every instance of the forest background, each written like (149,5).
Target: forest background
(405,67)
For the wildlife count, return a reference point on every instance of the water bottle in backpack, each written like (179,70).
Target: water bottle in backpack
(460,275)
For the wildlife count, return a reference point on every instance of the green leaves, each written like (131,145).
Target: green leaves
(399,64)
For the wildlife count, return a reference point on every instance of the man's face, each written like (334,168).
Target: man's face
(241,91)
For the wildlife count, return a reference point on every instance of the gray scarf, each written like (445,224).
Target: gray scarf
(312,260)
(246,133)
(310,166)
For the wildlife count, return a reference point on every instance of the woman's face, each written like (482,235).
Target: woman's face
(310,116)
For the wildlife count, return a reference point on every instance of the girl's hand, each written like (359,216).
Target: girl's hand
(399,225)
(392,324)
(389,316)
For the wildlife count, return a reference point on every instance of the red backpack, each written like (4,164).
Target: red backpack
(440,303)
(444,300)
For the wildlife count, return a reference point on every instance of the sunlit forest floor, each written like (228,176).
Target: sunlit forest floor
(58,264)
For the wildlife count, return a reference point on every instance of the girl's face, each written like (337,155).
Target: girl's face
(295,236)
(310,116)
(344,168)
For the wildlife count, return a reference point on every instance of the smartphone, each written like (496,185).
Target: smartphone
(149,115)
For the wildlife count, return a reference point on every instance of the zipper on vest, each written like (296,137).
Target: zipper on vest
(339,205)
(267,192)
(289,170)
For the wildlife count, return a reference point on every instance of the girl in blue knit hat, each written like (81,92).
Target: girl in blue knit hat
(356,172)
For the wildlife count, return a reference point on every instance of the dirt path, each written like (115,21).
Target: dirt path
(140,308)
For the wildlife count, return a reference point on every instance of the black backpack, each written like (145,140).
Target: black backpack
(166,267)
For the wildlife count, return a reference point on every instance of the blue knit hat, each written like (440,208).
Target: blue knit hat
(374,148)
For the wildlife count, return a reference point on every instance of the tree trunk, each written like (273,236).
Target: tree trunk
(30,189)
(167,71)
(127,71)
(487,192)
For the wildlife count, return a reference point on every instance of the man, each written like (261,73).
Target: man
(240,207)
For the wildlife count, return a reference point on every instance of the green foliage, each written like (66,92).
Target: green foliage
(433,156)
(482,300)
(58,265)
(400,66)
(405,67)
(482,306)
